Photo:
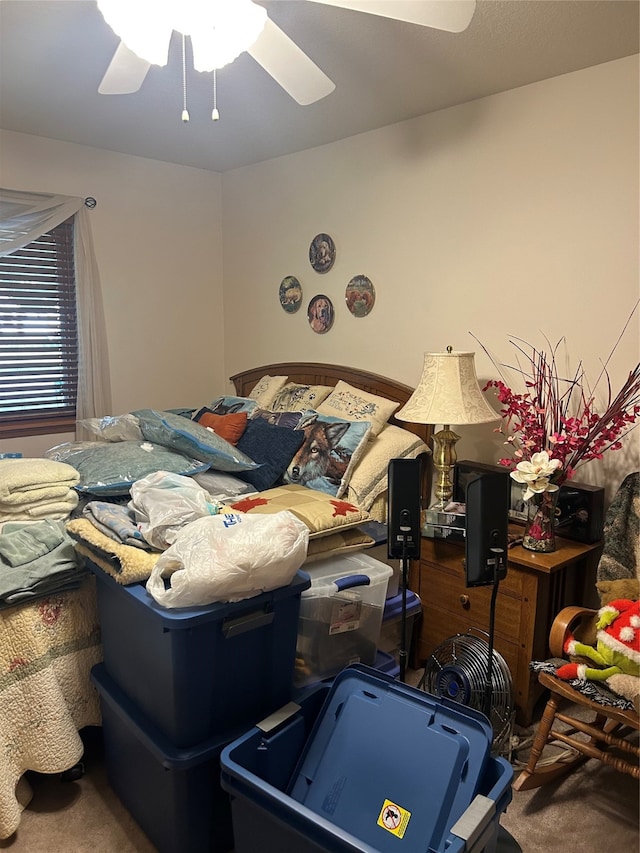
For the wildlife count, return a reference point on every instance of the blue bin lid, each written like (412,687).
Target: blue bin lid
(187,617)
(386,761)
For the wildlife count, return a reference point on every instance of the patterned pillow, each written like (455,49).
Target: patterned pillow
(273,447)
(229,427)
(265,389)
(322,513)
(345,401)
(329,452)
(283,419)
(228,405)
(295,397)
(369,478)
(193,440)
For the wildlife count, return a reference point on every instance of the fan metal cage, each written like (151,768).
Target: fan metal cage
(457,670)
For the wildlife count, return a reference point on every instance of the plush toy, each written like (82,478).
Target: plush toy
(618,645)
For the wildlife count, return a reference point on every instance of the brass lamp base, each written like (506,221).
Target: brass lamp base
(444,458)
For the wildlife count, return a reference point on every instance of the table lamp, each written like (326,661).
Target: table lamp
(448,393)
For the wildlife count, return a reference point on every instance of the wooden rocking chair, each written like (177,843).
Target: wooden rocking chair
(591,729)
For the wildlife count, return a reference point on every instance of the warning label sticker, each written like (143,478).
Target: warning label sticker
(394,818)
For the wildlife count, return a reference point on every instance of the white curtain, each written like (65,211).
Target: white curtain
(23,218)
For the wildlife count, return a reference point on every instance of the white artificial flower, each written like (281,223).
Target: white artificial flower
(535,473)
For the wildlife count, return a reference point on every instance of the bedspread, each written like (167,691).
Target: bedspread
(47,649)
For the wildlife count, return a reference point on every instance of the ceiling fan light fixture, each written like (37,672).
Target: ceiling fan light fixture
(143,25)
(220,30)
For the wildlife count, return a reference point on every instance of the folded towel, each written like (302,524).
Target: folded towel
(58,509)
(124,563)
(21,546)
(26,480)
(62,493)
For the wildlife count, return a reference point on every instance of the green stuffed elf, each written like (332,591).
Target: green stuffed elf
(618,645)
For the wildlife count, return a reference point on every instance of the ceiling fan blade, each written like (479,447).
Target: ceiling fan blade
(454,16)
(290,66)
(125,73)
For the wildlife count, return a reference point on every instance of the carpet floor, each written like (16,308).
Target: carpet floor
(593,809)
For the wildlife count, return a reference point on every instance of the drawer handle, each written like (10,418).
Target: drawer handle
(465,601)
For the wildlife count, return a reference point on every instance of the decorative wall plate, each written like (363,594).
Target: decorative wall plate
(322,253)
(320,314)
(360,296)
(290,294)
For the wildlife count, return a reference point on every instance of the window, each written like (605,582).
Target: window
(39,336)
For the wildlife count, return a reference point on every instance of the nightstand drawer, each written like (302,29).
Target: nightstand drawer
(454,563)
(446,592)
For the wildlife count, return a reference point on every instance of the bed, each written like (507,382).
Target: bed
(320,374)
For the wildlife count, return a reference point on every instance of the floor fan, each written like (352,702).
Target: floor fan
(457,669)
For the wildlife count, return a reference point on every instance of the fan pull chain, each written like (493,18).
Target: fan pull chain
(185,111)
(215,115)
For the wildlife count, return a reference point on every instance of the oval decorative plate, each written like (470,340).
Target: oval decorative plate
(360,295)
(290,294)
(322,253)
(320,314)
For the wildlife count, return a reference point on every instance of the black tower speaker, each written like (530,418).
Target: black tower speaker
(403,520)
(487,511)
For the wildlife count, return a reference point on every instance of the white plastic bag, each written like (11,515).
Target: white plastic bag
(163,503)
(229,557)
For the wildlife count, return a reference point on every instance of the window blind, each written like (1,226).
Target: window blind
(38,329)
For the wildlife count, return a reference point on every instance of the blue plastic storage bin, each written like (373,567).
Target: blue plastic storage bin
(369,765)
(196,672)
(173,794)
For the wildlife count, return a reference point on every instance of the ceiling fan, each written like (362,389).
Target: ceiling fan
(271,48)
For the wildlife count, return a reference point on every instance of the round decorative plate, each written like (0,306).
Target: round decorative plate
(290,294)
(320,314)
(322,253)
(360,296)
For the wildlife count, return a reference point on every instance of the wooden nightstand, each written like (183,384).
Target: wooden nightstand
(536,587)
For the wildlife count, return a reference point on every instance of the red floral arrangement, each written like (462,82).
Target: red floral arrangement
(553,426)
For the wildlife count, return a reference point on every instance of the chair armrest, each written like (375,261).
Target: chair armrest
(562,624)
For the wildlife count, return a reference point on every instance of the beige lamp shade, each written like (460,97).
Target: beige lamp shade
(448,392)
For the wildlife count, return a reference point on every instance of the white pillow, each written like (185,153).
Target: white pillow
(265,390)
(351,403)
(369,477)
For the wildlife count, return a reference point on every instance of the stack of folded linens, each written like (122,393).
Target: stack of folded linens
(33,489)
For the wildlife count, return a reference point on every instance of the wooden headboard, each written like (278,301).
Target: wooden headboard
(310,373)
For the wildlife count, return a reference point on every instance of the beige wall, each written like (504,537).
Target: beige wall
(513,215)
(158,240)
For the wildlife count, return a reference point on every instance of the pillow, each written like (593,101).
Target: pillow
(369,477)
(331,449)
(338,543)
(283,419)
(228,405)
(110,468)
(273,447)
(322,513)
(229,427)
(345,401)
(265,389)
(222,486)
(295,398)
(193,440)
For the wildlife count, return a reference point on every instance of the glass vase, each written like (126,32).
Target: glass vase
(539,531)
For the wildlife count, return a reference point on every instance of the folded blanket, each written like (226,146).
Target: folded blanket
(115,521)
(59,509)
(67,496)
(28,480)
(124,563)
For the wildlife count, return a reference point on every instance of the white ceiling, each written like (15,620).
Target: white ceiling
(53,54)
